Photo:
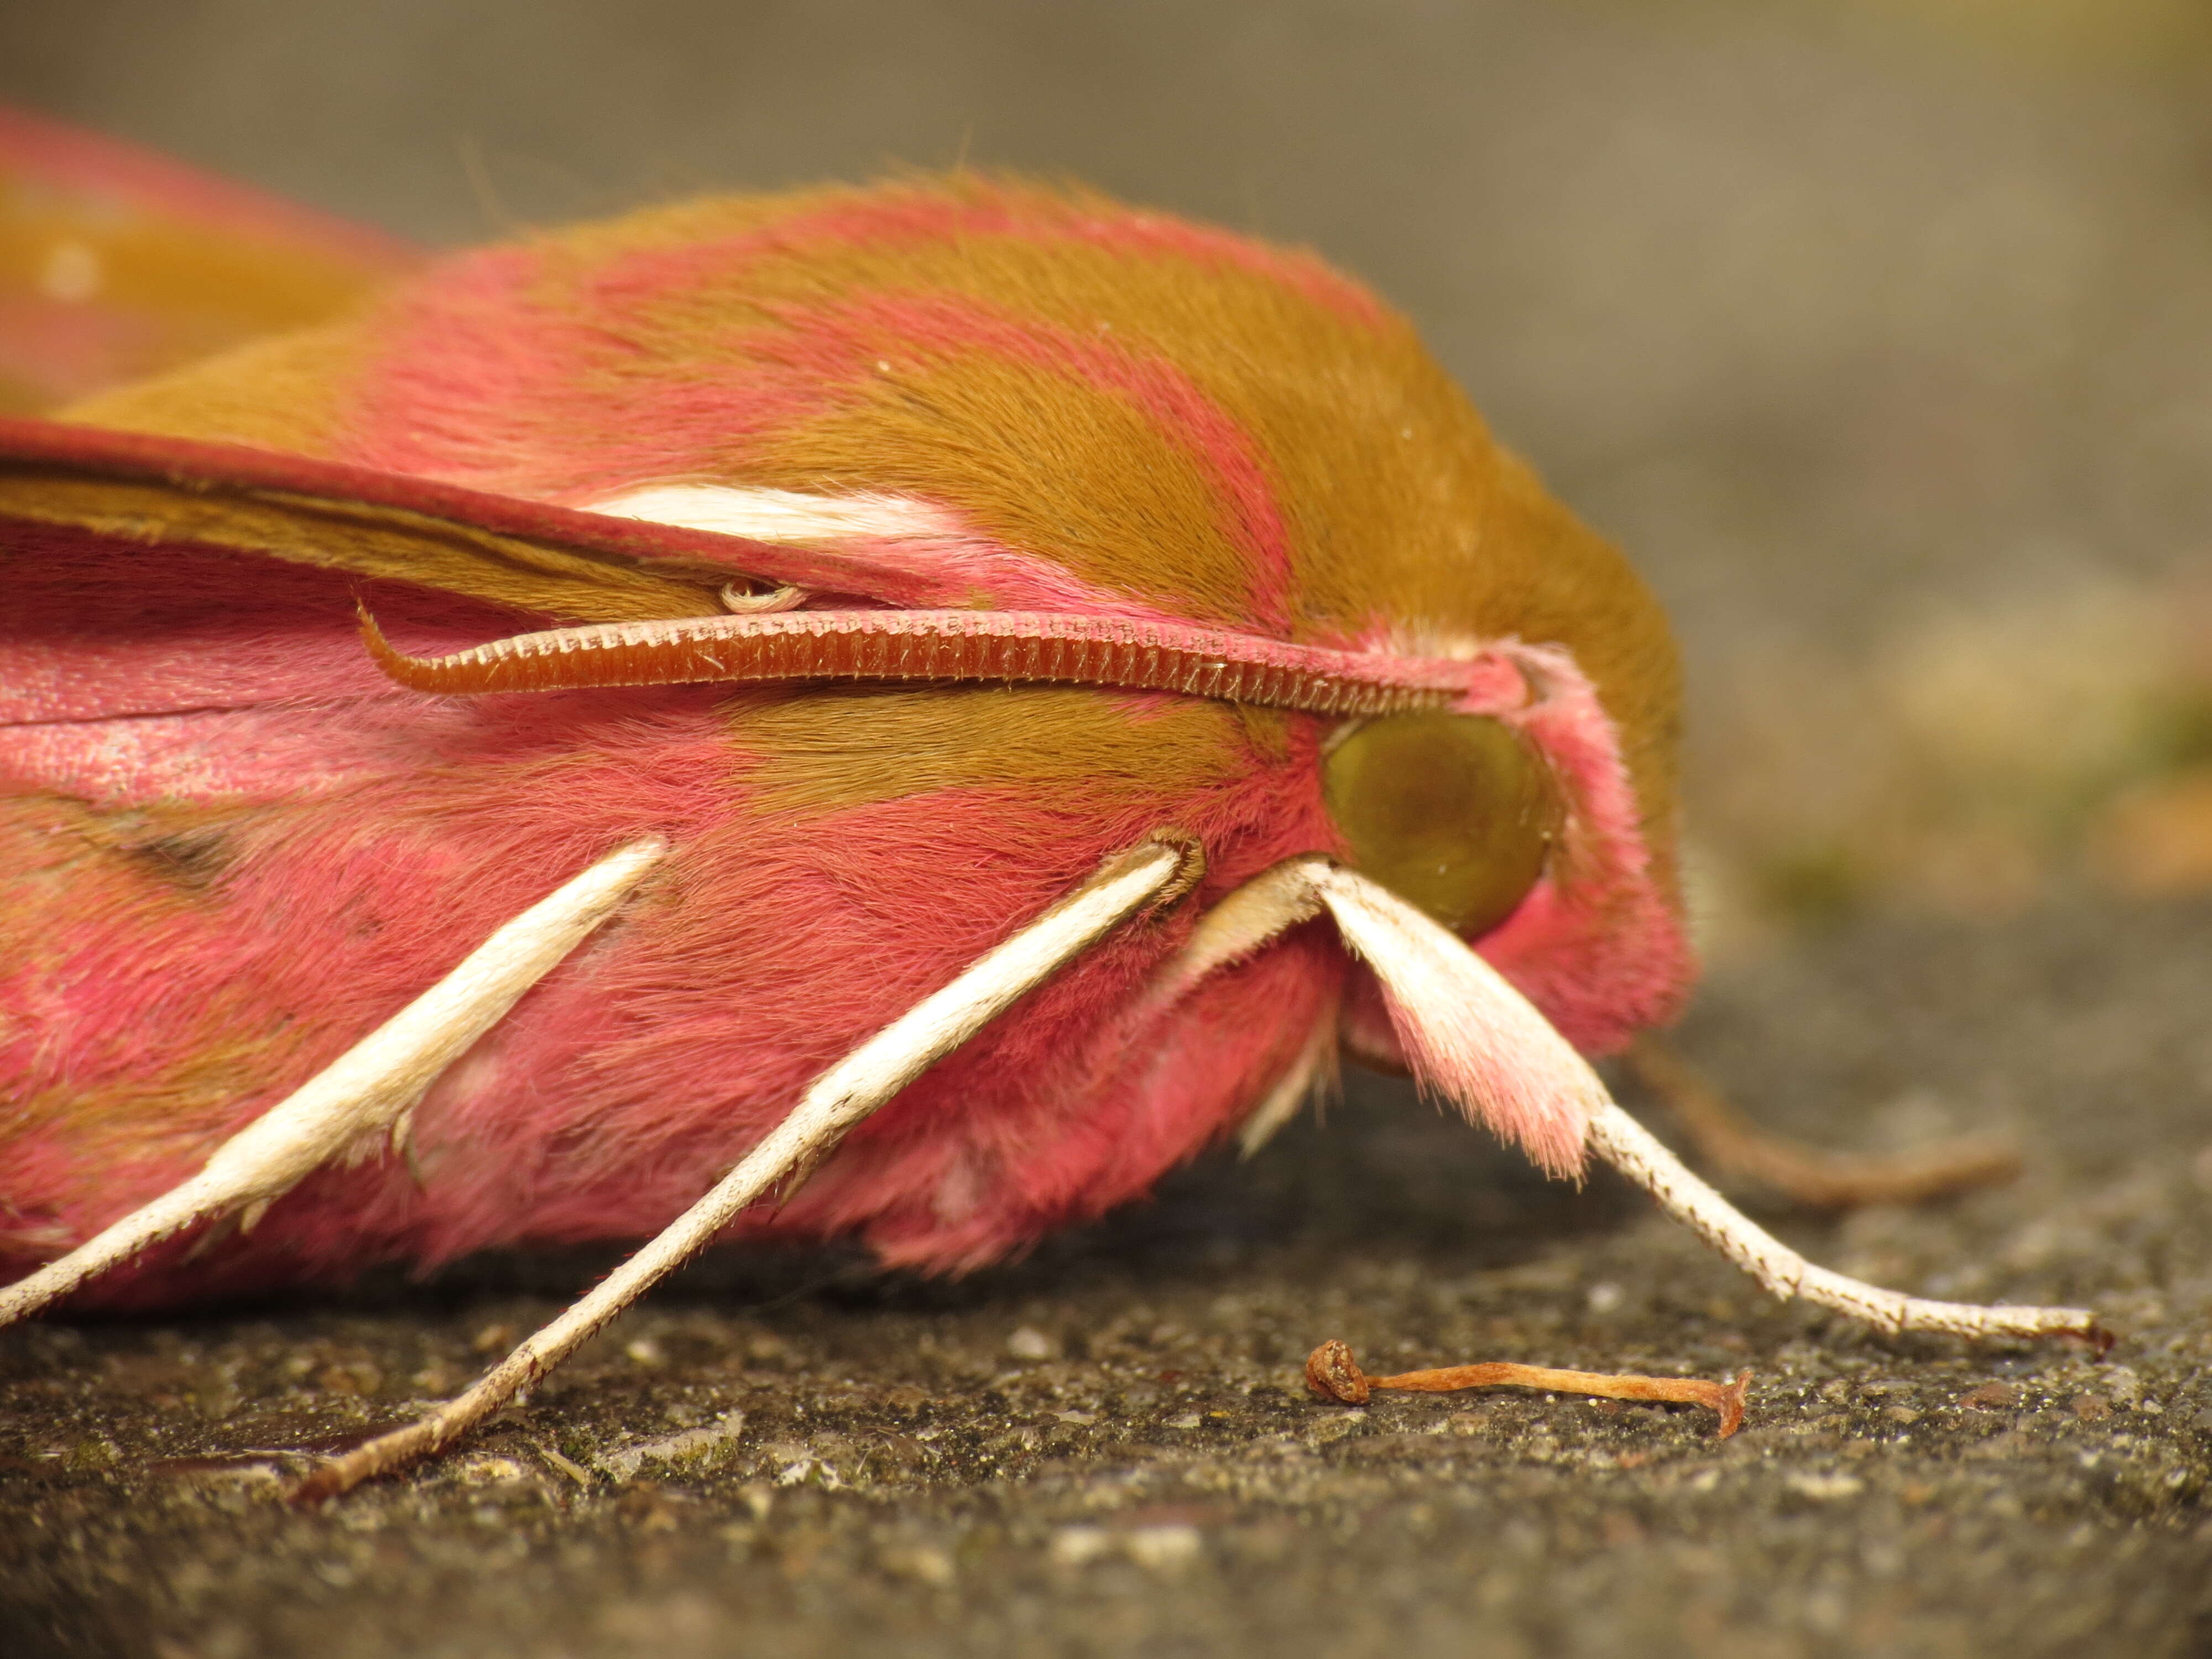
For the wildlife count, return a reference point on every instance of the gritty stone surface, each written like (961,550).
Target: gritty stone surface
(1107,1449)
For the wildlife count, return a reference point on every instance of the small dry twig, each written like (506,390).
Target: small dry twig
(1332,1373)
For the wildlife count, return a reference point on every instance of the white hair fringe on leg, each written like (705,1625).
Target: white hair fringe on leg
(1476,1040)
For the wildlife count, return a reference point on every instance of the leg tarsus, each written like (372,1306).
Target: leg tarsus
(1811,1175)
(1626,1145)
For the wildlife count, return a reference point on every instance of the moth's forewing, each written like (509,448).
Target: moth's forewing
(125,489)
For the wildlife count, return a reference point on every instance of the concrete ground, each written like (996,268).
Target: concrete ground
(1107,1449)
(1881,333)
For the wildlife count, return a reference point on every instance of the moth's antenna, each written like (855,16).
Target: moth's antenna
(1004,647)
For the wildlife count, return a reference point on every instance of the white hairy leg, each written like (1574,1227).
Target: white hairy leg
(1448,1004)
(1310,1075)
(833,1105)
(368,1092)
(1631,1148)
(1815,1177)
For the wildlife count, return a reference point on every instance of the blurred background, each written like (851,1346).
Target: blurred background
(1880,332)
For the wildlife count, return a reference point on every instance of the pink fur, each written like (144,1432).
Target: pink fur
(1464,1034)
(290,851)
(893,218)
(652,1057)
(840,343)
(1595,946)
(92,631)
(675,1038)
(497,409)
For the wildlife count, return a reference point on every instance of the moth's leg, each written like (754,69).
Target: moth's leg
(1241,922)
(368,1092)
(837,1101)
(1631,1148)
(1413,956)
(1473,1037)
(1810,1176)
(1310,1075)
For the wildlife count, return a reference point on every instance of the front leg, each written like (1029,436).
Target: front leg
(1476,1040)
(367,1092)
(832,1106)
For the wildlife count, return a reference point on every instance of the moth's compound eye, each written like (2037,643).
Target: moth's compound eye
(1452,812)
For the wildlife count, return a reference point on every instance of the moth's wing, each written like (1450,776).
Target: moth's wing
(104,535)
(85,491)
(116,263)
(143,573)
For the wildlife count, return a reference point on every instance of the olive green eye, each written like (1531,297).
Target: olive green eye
(1452,812)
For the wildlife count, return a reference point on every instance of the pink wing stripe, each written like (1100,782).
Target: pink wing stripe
(1175,404)
(925,216)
